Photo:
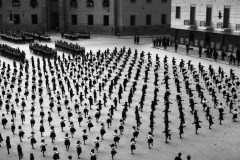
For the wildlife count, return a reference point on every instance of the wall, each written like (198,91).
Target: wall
(82,12)
(25,11)
(217,5)
(142,8)
(119,16)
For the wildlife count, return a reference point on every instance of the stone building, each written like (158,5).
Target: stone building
(214,23)
(96,16)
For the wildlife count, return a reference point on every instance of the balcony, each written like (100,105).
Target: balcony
(223,27)
(190,24)
(237,29)
(205,26)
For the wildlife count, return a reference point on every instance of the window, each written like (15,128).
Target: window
(90,3)
(208,16)
(0,3)
(73,3)
(148,19)
(34,19)
(106,20)
(16,18)
(15,2)
(105,3)
(1,22)
(33,3)
(133,1)
(132,20)
(164,1)
(164,19)
(178,12)
(192,14)
(90,19)
(74,19)
(226,17)
(149,1)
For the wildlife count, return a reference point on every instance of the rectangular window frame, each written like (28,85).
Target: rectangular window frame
(36,20)
(1,20)
(90,22)
(133,20)
(148,19)
(74,19)
(105,24)
(178,12)
(15,19)
(163,22)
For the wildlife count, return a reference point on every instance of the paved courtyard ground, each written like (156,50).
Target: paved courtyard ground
(222,142)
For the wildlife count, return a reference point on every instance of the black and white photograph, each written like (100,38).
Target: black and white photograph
(119,79)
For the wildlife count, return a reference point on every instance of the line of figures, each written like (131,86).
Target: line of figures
(13,53)
(161,42)
(74,87)
(233,58)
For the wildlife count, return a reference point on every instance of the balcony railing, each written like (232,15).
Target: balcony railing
(186,22)
(221,25)
(237,27)
(205,24)
(189,23)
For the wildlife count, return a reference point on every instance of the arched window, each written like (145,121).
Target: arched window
(89,3)
(33,3)
(73,3)
(16,2)
(106,3)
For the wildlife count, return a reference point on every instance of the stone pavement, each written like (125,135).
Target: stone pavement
(220,143)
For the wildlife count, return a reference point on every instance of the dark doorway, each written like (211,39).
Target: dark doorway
(207,39)
(54,14)
(54,20)
(209,16)
(106,20)
(90,19)
(226,17)
(191,37)
(192,15)
(132,20)
(164,19)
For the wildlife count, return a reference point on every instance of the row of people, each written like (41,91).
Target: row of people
(41,36)
(16,37)
(12,53)
(69,47)
(42,50)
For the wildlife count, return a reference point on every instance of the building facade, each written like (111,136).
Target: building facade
(214,23)
(96,16)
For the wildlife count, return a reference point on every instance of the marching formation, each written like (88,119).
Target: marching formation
(90,99)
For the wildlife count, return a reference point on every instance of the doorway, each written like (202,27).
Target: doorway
(207,39)
(54,14)
(191,37)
